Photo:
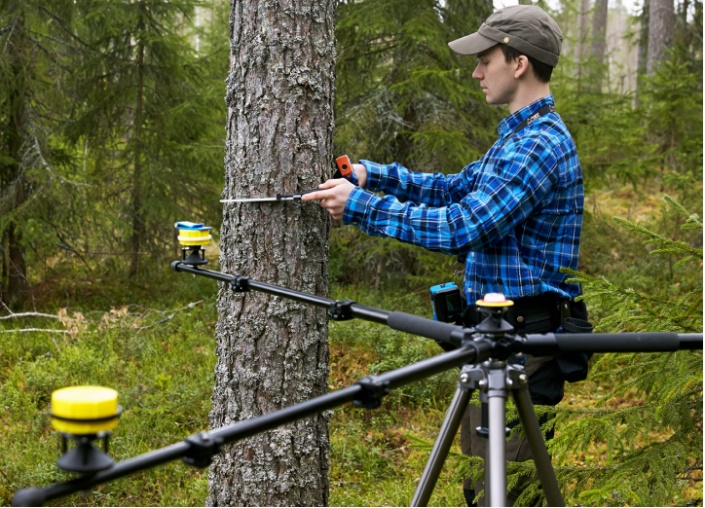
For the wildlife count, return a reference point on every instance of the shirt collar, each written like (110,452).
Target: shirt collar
(509,123)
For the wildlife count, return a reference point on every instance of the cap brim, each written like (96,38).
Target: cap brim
(472,44)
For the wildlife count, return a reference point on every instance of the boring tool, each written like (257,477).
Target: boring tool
(344,170)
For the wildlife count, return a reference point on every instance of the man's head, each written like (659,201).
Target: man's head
(518,30)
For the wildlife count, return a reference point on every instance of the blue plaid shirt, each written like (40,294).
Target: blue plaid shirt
(514,216)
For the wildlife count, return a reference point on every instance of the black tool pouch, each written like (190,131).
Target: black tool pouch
(574,366)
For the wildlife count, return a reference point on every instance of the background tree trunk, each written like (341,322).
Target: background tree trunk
(661,23)
(643,48)
(598,46)
(583,35)
(14,188)
(272,352)
(138,235)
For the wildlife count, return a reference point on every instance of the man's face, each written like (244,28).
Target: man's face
(496,76)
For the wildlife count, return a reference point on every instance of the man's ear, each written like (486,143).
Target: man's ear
(521,66)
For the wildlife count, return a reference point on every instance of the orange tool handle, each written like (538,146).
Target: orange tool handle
(344,167)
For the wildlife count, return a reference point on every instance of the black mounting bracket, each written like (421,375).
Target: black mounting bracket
(240,284)
(202,448)
(372,392)
(341,310)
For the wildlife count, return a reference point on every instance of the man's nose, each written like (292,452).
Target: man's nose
(476,73)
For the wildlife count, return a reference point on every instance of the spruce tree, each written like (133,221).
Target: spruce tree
(648,420)
(146,104)
(32,161)
(83,181)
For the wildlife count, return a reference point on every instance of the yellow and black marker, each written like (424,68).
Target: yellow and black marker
(193,238)
(83,414)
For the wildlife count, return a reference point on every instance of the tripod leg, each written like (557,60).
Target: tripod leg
(496,465)
(441,447)
(537,445)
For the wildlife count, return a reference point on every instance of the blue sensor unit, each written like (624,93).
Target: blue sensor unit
(446,302)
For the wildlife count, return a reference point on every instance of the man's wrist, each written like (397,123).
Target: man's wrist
(360,172)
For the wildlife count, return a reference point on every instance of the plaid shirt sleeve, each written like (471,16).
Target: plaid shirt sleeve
(432,189)
(459,213)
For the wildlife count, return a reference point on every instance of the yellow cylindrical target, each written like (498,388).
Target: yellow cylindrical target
(84,410)
(192,234)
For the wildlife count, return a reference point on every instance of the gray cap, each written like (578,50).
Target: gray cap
(527,28)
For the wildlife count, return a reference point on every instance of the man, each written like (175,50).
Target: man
(514,216)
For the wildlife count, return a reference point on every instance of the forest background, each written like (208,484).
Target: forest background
(112,129)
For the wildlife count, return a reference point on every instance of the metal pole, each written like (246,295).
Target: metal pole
(496,468)
(441,447)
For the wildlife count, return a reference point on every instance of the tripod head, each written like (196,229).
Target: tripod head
(494,307)
(494,327)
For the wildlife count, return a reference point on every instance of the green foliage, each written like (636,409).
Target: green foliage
(29,172)
(400,350)
(674,114)
(382,262)
(151,120)
(403,95)
(159,361)
(620,139)
(610,135)
(651,427)
(116,132)
(664,292)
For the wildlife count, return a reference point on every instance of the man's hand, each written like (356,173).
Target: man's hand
(332,196)
(361,174)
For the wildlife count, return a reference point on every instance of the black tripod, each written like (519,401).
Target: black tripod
(495,379)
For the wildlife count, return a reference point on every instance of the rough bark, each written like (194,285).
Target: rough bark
(661,25)
(272,352)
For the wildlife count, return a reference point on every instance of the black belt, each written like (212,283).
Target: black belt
(529,314)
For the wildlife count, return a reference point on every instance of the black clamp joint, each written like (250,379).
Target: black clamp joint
(202,448)
(341,310)
(240,284)
(372,392)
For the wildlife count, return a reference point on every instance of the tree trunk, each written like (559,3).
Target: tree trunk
(272,352)
(599,45)
(643,49)
(14,180)
(661,24)
(583,35)
(138,236)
